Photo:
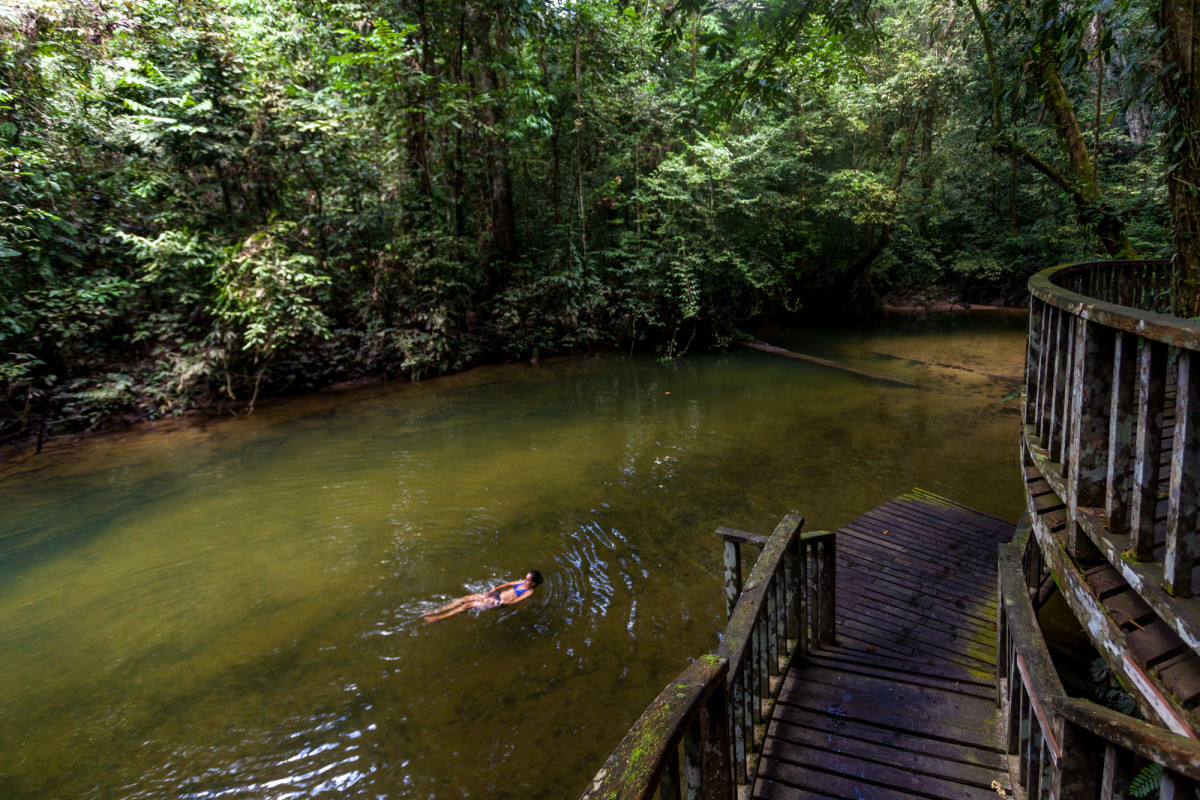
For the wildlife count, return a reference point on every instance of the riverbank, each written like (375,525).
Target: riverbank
(19,449)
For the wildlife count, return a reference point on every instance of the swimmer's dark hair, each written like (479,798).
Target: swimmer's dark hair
(536,577)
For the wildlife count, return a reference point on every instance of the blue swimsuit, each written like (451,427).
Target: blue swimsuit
(519,590)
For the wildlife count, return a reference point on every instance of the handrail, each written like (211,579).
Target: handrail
(1170,750)
(1067,748)
(689,712)
(1031,680)
(785,607)
(1101,365)
(770,623)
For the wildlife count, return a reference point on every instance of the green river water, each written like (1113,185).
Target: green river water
(232,609)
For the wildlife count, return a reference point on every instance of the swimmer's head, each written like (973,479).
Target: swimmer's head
(534,577)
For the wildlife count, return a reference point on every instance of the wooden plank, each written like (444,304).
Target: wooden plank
(979,658)
(876,597)
(784,739)
(947,715)
(876,670)
(891,661)
(903,706)
(1181,675)
(1105,581)
(766,789)
(1128,608)
(827,770)
(903,742)
(1154,642)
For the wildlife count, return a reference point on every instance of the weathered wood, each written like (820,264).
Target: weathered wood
(635,768)
(1152,370)
(1184,494)
(736,643)
(915,580)
(1116,772)
(733,575)
(1182,675)
(1148,323)
(1145,576)
(1059,450)
(1109,639)
(744,537)
(1034,679)
(1045,361)
(1176,753)
(1087,454)
(1033,352)
(757,344)
(1058,382)
(1120,432)
(715,766)
(825,546)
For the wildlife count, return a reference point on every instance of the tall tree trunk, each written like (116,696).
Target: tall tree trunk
(1181,89)
(579,147)
(1081,180)
(500,199)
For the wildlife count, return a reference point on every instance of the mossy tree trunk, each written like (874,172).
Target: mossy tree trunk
(1181,89)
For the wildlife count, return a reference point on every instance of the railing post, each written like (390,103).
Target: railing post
(1076,776)
(693,773)
(733,574)
(1045,372)
(1062,435)
(1057,368)
(715,766)
(1120,432)
(670,788)
(1185,479)
(1116,772)
(1152,374)
(827,596)
(1033,355)
(1087,455)
(771,623)
(1001,642)
(794,596)
(802,597)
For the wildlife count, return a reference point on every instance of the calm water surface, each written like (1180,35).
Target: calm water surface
(233,609)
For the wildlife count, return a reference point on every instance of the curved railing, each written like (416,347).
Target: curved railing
(1112,422)
(702,736)
(1067,748)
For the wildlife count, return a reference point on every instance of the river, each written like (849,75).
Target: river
(232,608)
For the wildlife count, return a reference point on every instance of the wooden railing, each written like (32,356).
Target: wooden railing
(703,735)
(1113,395)
(1066,748)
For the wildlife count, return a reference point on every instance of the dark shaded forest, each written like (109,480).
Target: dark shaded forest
(203,203)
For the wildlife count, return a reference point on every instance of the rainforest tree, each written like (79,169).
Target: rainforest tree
(204,201)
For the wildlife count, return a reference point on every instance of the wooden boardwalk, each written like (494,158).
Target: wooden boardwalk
(904,706)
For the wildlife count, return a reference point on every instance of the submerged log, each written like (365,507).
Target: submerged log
(758,344)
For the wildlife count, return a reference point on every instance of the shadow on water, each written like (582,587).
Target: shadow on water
(234,609)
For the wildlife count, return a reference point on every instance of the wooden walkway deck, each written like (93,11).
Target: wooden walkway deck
(904,706)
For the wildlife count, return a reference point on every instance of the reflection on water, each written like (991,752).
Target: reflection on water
(234,609)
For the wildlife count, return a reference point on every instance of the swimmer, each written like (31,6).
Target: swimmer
(505,594)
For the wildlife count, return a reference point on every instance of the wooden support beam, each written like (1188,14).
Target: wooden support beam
(1087,455)
(1120,432)
(1184,494)
(1033,355)
(1152,376)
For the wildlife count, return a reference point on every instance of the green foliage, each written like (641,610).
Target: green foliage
(200,201)
(1147,781)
